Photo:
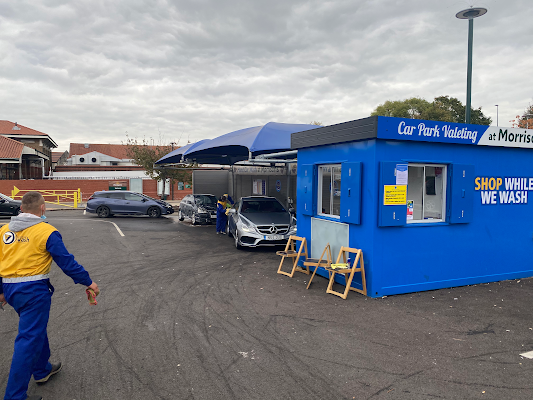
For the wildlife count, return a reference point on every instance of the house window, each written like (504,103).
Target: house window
(82,159)
(93,159)
(329,190)
(426,193)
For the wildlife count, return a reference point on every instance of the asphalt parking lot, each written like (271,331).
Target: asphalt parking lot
(184,315)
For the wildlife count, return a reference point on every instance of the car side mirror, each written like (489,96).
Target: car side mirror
(292,211)
(144,200)
(2,200)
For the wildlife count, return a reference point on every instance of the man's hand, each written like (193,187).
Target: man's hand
(3,301)
(94,287)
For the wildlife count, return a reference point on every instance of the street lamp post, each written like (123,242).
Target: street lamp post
(172,180)
(527,117)
(470,14)
(497,124)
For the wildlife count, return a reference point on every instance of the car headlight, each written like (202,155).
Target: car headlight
(202,210)
(245,227)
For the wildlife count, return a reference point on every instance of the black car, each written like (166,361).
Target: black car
(110,202)
(200,208)
(8,206)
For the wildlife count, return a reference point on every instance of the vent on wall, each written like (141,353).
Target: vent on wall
(16,127)
(86,145)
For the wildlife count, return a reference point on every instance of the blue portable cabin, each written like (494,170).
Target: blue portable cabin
(431,204)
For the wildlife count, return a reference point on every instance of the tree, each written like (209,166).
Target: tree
(315,123)
(525,120)
(410,108)
(443,108)
(146,155)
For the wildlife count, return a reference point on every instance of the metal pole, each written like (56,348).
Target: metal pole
(172,179)
(469,70)
(497,123)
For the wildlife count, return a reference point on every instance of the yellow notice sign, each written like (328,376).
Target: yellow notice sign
(394,195)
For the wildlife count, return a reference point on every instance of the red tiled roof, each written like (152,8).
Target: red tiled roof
(10,148)
(56,155)
(113,150)
(6,128)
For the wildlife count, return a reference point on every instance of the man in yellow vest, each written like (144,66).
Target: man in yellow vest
(27,247)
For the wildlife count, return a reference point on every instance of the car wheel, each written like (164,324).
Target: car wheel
(154,212)
(237,244)
(103,212)
(180,216)
(193,219)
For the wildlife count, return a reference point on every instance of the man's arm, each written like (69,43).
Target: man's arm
(66,261)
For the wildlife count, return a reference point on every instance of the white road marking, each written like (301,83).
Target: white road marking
(116,226)
(84,212)
(83,219)
(529,354)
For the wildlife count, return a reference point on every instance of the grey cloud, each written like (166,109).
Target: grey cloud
(199,69)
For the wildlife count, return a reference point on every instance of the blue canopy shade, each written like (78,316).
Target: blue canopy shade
(175,156)
(237,146)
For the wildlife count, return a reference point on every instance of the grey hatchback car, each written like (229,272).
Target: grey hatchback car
(111,202)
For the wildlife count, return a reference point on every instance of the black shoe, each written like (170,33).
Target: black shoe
(34,397)
(55,369)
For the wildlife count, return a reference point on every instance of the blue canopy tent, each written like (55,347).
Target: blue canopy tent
(238,145)
(176,156)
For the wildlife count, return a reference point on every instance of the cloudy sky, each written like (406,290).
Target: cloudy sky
(90,70)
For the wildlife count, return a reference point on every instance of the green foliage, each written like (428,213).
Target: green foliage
(315,123)
(443,108)
(146,155)
(525,120)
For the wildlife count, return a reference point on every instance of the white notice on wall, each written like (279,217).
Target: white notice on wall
(401,174)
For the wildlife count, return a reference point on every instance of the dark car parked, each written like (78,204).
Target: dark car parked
(200,208)
(8,206)
(107,203)
(260,221)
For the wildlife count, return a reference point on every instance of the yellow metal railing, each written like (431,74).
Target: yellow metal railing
(61,197)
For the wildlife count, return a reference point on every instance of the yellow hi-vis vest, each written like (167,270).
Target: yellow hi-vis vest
(24,253)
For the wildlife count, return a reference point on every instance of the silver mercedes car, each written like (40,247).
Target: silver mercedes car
(260,221)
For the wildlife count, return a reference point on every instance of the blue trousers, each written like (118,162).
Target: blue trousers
(221,222)
(31,301)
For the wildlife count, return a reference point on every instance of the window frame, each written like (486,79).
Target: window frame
(444,193)
(320,188)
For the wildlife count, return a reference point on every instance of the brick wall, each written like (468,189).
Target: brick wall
(87,187)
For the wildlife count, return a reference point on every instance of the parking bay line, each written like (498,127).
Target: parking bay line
(82,219)
(116,226)
(529,354)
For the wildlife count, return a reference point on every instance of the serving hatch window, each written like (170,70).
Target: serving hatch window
(426,193)
(329,190)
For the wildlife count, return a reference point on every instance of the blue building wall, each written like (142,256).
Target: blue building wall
(361,235)
(497,244)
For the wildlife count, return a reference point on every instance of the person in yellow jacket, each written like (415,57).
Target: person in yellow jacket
(224,202)
(27,247)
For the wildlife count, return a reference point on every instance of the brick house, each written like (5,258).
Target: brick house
(25,153)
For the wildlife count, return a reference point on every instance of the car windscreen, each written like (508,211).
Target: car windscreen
(205,200)
(6,197)
(261,206)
